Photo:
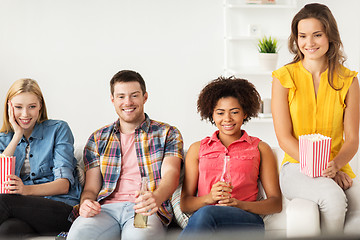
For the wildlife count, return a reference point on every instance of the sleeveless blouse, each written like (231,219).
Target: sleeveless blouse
(244,165)
(322,113)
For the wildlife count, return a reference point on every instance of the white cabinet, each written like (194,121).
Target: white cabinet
(244,24)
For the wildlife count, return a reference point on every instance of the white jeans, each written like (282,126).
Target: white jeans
(339,209)
(115,221)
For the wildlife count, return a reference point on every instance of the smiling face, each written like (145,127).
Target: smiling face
(228,117)
(129,100)
(26,111)
(312,40)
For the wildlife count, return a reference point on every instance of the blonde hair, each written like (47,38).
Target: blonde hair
(23,86)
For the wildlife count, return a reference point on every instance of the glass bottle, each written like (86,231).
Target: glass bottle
(225,176)
(140,221)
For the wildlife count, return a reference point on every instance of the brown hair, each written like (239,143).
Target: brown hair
(335,55)
(127,76)
(241,89)
(23,86)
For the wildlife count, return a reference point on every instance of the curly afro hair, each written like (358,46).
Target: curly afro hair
(241,89)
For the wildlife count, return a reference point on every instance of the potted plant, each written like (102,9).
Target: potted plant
(268,53)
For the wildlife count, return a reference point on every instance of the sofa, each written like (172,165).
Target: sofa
(299,218)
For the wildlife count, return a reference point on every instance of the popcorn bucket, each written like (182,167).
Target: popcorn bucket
(7,167)
(314,152)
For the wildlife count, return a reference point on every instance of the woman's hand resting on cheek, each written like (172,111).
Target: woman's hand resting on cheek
(17,129)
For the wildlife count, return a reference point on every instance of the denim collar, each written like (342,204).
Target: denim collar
(37,132)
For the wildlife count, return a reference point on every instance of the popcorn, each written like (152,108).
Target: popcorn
(314,152)
(7,167)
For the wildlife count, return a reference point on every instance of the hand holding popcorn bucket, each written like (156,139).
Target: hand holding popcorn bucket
(314,152)
(7,167)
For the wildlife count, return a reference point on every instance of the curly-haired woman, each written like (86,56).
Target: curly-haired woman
(218,203)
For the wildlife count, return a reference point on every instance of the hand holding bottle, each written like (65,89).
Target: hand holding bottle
(140,220)
(226,176)
(219,191)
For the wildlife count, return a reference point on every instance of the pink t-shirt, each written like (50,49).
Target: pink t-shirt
(244,165)
(130,179)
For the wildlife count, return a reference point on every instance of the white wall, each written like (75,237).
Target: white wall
(74,47)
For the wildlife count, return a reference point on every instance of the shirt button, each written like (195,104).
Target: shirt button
(33,174)
(31,155)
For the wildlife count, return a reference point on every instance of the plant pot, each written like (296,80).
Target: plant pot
(268,61)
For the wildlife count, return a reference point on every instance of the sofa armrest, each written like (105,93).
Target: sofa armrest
(302,218)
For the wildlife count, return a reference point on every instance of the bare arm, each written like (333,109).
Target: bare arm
(10,149)
(89,207)
(270,180)
(59,186)
(351,131)
(18,132)
(282,120)
(150,202)
(189,201)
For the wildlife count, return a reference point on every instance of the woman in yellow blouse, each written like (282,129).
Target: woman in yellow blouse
(315,93)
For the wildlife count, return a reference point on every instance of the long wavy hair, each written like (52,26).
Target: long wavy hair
(335,55)
(23,86)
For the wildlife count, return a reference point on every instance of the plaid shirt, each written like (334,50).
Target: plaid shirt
(153,142)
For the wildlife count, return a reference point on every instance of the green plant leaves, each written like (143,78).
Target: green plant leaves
(267,45)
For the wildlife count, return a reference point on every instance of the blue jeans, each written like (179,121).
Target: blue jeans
(115,221)
(211,219)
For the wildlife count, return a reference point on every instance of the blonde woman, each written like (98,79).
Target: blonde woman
(44,187)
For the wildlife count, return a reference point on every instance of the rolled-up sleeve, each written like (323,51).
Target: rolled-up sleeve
(64,160)
(91,155)
(174,144)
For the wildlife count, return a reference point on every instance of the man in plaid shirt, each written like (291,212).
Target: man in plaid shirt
(116,157)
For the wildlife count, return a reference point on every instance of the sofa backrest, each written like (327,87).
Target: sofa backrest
(78,153)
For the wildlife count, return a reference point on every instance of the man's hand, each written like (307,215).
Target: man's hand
(89,208)
(146,204)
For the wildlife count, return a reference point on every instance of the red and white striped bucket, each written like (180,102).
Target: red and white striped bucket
(314,152)
(7,167)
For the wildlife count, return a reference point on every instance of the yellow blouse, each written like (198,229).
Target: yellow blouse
(316,114)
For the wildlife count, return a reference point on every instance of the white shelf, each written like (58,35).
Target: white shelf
(244,25)
(251,71)
(261,119)
(258,6)
(252,38)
